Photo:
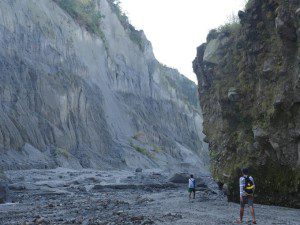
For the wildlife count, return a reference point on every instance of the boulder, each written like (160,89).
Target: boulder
(298,32)
(242,15)
(3,187)
(210,54)
(17,187)
(200,183)
(268,66)
(298,15)
(259,134)
(180,178)
(279,24)
(274,145)
(206,140)
(183,178)
(225,189)
(279,102)
(256,145)
(284,30)
(2,193)
(213,34)
(295,134)
(233,95)
(138,170)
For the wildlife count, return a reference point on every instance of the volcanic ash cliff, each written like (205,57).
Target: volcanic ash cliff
(81,88)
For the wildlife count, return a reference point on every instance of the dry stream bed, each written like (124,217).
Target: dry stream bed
(64,196)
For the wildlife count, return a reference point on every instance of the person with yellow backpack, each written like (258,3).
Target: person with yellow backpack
(247,188)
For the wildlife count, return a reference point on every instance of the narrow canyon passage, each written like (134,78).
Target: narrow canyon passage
(64,196)
(95,130)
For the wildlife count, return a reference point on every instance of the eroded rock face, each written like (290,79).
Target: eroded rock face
(2,193)
(74,99)
(261,60)
(3,187)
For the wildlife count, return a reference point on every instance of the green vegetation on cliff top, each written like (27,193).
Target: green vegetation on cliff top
(134,34)
(259,64)
(85,13)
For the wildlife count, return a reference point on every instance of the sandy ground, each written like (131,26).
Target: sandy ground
(64,196)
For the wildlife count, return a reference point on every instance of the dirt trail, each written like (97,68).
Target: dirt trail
(120,197)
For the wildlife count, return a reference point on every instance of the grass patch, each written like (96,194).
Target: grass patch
(137,135)
(230,28)
(143,151)
(63,152)
(134,35)
(156,148)
(233,25)
(85,14)
(214,155)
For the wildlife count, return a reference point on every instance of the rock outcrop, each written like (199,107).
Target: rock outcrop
(249,83)
(81,94)
(3,187)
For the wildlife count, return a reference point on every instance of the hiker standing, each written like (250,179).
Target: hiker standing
(247,188)
(192,187)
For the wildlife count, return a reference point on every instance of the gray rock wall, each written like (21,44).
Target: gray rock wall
(248,76)
(70,99)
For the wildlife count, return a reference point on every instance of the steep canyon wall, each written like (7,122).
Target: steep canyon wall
(249,88)
(90,96)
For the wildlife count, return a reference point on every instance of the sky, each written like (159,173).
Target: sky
(177,27)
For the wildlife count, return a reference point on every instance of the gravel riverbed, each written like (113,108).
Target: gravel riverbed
(64,196)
